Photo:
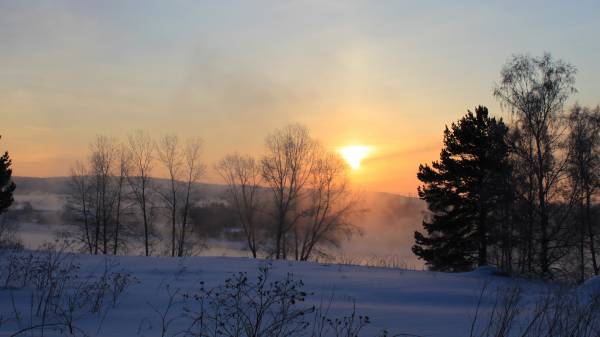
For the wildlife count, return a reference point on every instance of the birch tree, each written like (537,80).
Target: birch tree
(286,168)
(242,175)
(535,89)
(141,150)
(170,155)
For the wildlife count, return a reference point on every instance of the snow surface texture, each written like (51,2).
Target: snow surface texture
(401,301)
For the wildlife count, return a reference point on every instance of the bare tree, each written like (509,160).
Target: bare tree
(584,167)
(98,195)
(524,209)
(123,167)
(79,201)
(242,175)
(193,170)
(535,90)
(170,155)
(142,157)
(286,168)
(103,154)
(328,206)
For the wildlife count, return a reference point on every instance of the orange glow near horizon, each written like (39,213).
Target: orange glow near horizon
(358,75)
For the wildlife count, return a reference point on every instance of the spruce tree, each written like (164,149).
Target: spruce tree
(462,190)
(7,186)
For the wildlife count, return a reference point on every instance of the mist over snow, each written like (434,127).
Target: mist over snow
(387,222)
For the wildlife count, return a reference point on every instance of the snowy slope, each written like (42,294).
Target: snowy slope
(402,301)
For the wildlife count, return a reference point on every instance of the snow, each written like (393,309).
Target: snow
(487,271)
(591,286)
(401,301)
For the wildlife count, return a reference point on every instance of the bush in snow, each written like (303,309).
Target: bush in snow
(555,313)
(242,307)
(58,296)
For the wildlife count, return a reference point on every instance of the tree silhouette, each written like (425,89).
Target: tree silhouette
(462,191)
(7,186)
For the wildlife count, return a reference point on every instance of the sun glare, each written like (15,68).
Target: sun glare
(355,154)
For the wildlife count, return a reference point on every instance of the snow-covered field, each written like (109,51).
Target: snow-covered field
(416,302)
(401,301)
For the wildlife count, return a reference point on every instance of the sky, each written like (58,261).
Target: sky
(384,74)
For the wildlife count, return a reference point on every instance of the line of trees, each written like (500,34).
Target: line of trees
(292,203)
(519,196)
(114,192)
(295,201)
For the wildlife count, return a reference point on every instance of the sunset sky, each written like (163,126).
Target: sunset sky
(383,74)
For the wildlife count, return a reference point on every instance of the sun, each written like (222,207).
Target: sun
(354,154)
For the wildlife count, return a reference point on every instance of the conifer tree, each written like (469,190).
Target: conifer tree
(7,186)
(462,191)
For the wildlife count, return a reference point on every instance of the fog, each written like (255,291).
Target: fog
(386,224)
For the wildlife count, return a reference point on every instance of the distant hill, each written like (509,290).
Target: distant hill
(60,185)
(54,185)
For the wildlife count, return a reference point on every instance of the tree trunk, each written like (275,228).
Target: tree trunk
(279,237)
(104,217)
(184,218)
(97,231)
(145,216)
(544,265)
(86,223)
(582,220)
(588,215)
(173,215)
(118,217)
(482,238)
